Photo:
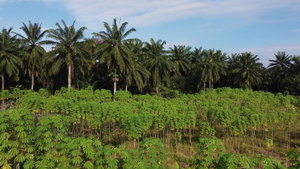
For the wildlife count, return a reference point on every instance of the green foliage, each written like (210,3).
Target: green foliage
(233,161)
(208,151)
(122,96)
(294,157)
(206,130)
(265,162)
(5,94)
(17,136)
(153,153)
(211,154)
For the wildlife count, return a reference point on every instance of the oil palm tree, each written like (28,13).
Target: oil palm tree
(247,71)
(213,66)
(292,81)
(10,63)
(180,57)
(196,59)
(196,55)
(278,70)
(282,62)
(45,75)
(295,65)
(136,72)
(33,58)
(83,63)
(157,62)
(67,48)
(113,48)
(231,65)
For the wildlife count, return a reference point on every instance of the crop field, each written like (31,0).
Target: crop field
(218,128)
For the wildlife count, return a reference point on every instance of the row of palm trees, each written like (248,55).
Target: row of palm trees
(145,66)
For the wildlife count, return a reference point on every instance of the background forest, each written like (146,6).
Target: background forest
(111,60)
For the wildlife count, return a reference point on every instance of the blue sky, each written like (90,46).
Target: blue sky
(262,27)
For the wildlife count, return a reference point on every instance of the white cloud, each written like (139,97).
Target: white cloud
(171,44)
(7,1)
(3,1)
(141,13)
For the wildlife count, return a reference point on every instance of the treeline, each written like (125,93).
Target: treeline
(110,60)
(218,128)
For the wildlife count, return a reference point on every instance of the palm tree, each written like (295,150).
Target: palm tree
(292,81)
(196,55)
(295,65)
(278,69)
(136,72)
(231,65)
(196,60)
(213,66)
(67,48)
(156,62)
(83,63)
(10,63)
(45,76)
(282,62)
(180,57)
(35,52)
(114,50)
(247,70)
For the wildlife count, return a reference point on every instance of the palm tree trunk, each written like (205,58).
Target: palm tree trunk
(126,83)
(115,86)
(2,79)
(32,80)
(77,83)
(69,77)
(51,83)
(157,88)
(48,81)
(204,85)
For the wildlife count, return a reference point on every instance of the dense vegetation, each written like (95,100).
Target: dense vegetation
(110,60)
(218,128)
(192,125)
